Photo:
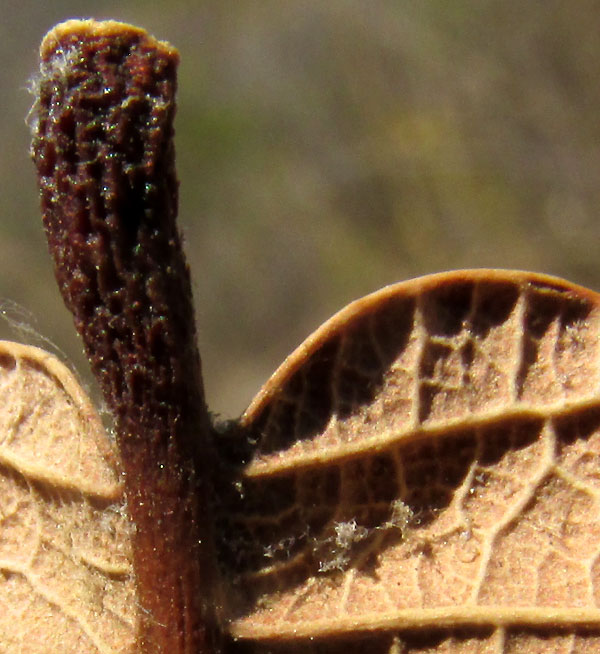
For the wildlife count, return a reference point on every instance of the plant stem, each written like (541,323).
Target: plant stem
(103,147)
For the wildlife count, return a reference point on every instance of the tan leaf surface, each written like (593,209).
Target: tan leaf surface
(65,573)
(425,477)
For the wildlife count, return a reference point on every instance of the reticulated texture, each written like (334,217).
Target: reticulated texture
(66,580)
(423,475)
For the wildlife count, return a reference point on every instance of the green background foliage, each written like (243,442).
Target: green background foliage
(326,149)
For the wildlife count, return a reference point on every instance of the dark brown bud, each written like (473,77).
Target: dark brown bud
(103,147)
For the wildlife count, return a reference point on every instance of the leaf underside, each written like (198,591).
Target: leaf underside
(424,476)
(421,475)
(66,582)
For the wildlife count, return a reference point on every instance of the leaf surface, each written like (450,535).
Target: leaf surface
(66,583)
(423,475)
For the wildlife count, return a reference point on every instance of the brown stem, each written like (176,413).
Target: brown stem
(103,147)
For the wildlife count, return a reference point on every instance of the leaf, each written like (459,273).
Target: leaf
(423,475)
(66,582)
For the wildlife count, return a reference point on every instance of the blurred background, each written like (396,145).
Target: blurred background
(326,149)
